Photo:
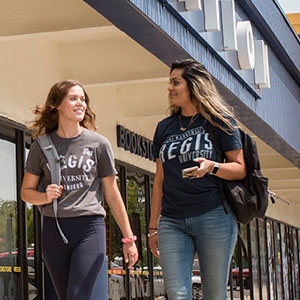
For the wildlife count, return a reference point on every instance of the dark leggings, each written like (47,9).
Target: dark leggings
(74,267)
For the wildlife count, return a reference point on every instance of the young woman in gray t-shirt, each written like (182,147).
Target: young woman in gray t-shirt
(87,167)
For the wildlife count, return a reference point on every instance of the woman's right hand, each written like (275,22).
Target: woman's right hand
(153,244)
(53,191)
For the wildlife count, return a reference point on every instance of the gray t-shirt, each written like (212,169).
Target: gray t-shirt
(87,158)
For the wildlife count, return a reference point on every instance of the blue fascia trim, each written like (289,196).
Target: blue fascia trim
(134,15)
(219,58)
(129,19)
(282,51)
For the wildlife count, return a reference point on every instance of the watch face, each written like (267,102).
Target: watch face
(215,168)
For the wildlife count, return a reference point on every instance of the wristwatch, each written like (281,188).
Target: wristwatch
(214,169)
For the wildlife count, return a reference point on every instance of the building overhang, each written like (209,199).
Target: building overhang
(159,28)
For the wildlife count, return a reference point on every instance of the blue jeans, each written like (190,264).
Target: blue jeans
(212,235)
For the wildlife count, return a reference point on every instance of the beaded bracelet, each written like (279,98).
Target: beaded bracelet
(152,228)
(128,240)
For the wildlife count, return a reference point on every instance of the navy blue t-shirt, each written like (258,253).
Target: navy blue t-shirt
(183,197)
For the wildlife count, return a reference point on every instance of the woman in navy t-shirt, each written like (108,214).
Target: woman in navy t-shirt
(188,209)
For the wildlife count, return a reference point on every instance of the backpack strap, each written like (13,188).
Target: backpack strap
(54,161)
(214,136)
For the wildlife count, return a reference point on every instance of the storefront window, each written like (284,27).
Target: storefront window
(8,221)
(271,259)
(32,290)
(116,269)
(291,262)
(263,252)
(139,280)
(254,259)
(240,283)
(158,281)
(284,248)
(298,257)
(196,280)
(136,211)
(245,266)
(278,261)
(295,265)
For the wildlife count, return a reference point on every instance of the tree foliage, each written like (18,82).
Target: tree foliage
(8,225)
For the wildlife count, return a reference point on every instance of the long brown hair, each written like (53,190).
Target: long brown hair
(203,94)
(47,115)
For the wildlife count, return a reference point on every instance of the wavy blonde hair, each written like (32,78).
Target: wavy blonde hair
(47,115)
(203,94)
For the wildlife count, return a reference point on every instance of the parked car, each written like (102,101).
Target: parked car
(197,292)
(138,283)
(8,259)
(236,278)
(159,286)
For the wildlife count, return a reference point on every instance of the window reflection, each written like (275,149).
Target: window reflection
(139,279)
(285,268)
(263,265)
(278,261)
(292,260)
(8,177)
(271,261)
(139,276)
(296,265)
(32,290)
(254,259)
(298,259)
(8,220)
(197,290)
(239,278)
(116,279)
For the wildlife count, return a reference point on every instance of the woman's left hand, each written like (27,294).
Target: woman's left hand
(233,169)
(130,254)
(204,168)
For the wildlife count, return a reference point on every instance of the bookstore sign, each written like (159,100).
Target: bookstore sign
(135,143)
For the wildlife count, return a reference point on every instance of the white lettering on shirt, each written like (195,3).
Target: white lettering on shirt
(185,147)
(172,147)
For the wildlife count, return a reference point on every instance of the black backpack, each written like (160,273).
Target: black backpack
(248,197)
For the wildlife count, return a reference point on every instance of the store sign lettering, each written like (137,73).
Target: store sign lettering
(237,36)
(135,143)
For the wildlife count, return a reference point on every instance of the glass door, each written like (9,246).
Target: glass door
(8,222)
(135,184)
